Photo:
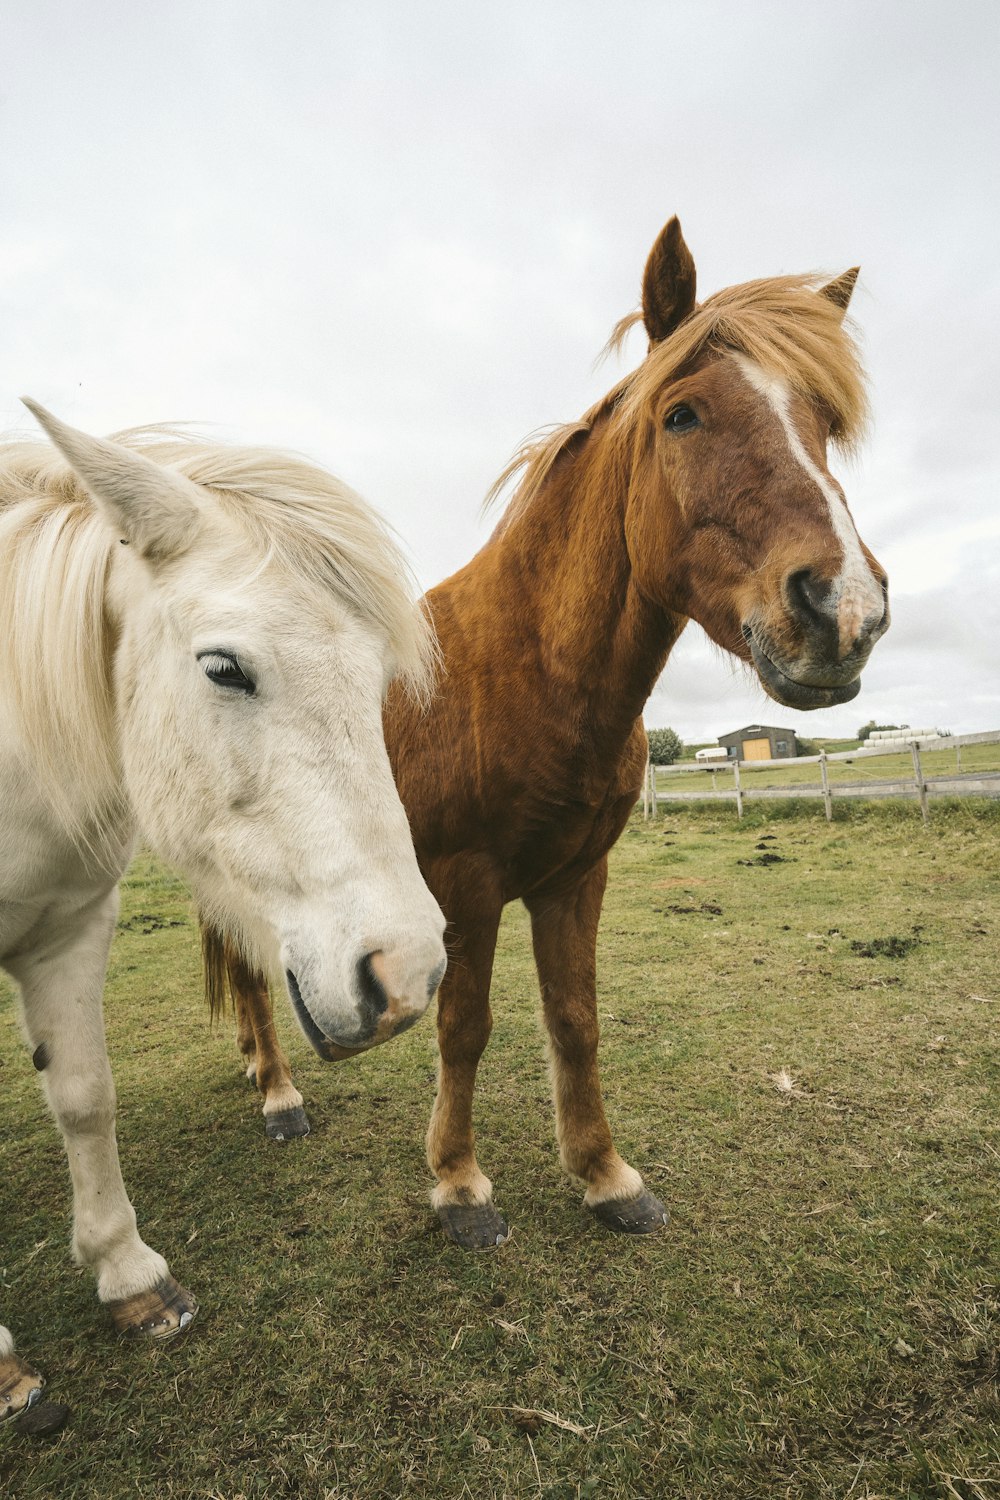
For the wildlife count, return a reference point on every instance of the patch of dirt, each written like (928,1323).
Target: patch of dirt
(145,922)
(767,858)
(707,908)
(885,947)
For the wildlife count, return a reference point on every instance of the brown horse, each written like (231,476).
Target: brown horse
(697,488)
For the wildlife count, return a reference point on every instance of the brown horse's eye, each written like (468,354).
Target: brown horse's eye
(681,419)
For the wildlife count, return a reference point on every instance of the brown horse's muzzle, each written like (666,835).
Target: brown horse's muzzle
(829,633)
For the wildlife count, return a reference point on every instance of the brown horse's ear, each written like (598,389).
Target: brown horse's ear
(668,283)
(840,288)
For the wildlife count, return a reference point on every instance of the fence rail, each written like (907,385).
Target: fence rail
(973,783)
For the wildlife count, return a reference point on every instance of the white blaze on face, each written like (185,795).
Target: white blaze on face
(855,593)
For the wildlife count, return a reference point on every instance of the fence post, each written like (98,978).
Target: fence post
(958,758)
(919,779)
(739,794)
(713,779)
(652,791)
(645,792)
(826,786)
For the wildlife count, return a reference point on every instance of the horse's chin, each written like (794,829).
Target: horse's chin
(791,693)
(328,1049)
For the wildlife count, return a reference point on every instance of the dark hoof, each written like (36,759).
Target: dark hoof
(640,1215)
(161,1313)
(475,1226)
(251,1077)
(20,1386)
(287,1124)
(43,1419)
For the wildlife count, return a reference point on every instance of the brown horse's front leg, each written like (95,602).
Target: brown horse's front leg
(564,934)
(268,1067)
(463,1197)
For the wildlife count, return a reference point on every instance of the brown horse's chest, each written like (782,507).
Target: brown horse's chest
(519,775)
(573,840)
(546,828)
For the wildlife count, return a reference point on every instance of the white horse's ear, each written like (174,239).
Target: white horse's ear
(839,290)
(152,508)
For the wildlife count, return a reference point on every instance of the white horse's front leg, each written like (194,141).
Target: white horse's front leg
(62,983)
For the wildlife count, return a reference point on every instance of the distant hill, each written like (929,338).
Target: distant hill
(831,746)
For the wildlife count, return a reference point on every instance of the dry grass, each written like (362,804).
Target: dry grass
(821,1319)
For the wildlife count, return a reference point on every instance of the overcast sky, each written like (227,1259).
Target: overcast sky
(395,236)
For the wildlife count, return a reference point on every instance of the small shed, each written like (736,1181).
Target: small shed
(760,742)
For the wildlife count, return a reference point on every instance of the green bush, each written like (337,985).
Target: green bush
(665,746)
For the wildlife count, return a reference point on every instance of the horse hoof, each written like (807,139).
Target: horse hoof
(475,1226)
(161,1313)
(640,1215)
(20,1386)
(43,1419)
(286,1124)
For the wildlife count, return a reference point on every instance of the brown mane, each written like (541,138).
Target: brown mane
(781,323)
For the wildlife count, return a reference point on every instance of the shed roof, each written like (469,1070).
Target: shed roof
(752,729)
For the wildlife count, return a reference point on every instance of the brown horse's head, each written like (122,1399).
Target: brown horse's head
(733,517)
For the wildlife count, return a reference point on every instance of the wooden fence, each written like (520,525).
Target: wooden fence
(922,787)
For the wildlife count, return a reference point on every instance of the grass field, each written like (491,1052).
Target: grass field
(799,1053)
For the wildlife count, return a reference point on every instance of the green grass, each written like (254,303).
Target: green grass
(821,1318)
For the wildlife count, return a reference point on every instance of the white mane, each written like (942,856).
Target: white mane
(55,557)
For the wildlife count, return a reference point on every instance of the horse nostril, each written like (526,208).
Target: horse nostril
(809,596)
(371,987)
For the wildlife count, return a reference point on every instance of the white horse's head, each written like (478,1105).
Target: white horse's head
(258,610)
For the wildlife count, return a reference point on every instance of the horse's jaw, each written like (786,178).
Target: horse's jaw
(348,998)
(792,693)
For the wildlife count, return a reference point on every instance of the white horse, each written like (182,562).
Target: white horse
(196,644)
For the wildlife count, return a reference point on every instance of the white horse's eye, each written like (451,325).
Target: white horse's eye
(223,668)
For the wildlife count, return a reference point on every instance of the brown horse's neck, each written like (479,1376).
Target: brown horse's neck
(564,583)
